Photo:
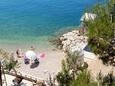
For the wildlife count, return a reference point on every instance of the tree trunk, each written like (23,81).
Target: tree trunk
(29,79)
(0,75)
(4,75)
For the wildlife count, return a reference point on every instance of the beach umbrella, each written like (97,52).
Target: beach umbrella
(31,55)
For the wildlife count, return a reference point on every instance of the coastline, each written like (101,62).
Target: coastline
(51,64)
(41,44)
(73,41)
(31,23)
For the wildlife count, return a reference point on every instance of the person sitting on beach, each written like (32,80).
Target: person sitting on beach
(37,59)
(19,53)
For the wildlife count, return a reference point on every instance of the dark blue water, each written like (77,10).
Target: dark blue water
(32,19)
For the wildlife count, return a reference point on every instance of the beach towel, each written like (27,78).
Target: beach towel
(42,55)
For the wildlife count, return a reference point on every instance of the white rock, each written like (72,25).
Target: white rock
(75,31)
(70,33)
(61,38)
(70,38)
(73,42)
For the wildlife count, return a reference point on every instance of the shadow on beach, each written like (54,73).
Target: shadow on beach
(87,48)
(34,65)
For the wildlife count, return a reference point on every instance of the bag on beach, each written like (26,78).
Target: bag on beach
(26,61)
(42,55)
(36,61)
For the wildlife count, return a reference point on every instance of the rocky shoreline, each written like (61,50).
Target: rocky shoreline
(71,41)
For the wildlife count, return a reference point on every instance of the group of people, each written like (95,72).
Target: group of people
(20,54)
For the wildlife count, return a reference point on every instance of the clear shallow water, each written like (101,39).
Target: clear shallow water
(33,21)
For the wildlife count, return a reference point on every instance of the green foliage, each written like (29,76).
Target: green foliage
(72,61)
(110,4)
(4,54)
(73,74)
(8,65)
(64,77)
(83,79)
(8,62)
(106,80)
(100,30)
(70,69)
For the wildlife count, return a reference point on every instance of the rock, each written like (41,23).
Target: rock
(113,64)
(70,34)
(114,60)
(114,48)
(75,31)
(111,58)
(62,38)
(72,41)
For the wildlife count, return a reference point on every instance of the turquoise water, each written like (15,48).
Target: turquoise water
(33,21)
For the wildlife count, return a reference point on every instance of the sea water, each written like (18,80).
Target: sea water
(33,22)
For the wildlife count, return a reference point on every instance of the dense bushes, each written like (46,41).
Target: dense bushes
(84,79)
(74,74)
(73,71)
(8,61)
(101,33)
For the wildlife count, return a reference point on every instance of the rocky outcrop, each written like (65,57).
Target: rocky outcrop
(73,41)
